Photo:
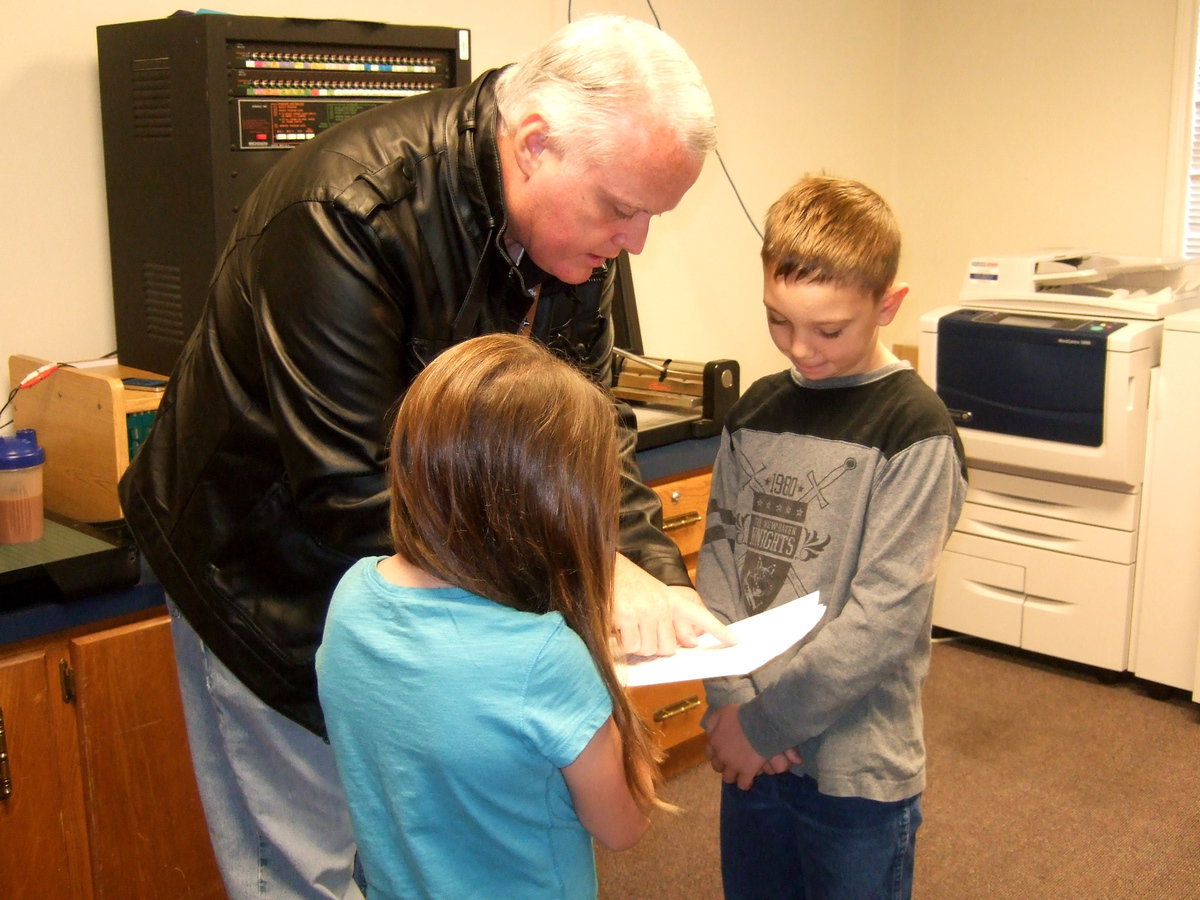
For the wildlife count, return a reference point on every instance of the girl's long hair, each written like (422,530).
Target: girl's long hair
(504,482)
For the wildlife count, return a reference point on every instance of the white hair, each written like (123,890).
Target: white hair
(602,70)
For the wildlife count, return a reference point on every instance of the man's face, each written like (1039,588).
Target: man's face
(572,218)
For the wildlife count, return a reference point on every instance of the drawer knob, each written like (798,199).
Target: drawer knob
(676,709)
(683,521)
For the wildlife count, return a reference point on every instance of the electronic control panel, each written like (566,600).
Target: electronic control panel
(196,109)
(286,94)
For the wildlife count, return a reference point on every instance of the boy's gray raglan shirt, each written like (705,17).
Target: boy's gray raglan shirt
(848,486)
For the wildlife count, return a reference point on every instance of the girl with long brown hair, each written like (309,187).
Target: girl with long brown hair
(468,681)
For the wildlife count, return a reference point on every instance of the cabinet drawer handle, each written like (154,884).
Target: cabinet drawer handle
(5,773)
(676,709)
(683,521)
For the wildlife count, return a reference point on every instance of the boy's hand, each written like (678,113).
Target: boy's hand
(729,752)
(782,762)
(653,619)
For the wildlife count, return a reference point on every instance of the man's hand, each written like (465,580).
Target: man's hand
(653,619)
(729,751)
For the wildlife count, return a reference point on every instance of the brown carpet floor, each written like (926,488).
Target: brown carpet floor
(1043,783)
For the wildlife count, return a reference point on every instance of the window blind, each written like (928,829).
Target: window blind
(1191,225)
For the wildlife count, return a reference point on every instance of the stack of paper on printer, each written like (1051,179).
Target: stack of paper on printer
(760,639)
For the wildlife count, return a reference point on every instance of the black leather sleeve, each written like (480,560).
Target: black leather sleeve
(642,538)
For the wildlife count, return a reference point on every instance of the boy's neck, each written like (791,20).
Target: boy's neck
(883,356)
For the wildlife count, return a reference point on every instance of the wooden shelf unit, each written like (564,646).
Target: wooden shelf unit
(81,415)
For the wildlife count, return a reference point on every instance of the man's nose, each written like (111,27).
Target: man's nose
(633,236)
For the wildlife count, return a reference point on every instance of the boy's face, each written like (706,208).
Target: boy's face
(828,330)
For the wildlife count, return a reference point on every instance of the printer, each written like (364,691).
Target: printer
(1049,365)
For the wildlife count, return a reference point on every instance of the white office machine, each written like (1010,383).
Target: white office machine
(1050,365)
(1166,646)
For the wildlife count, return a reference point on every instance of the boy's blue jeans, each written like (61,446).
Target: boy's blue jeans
(783,839)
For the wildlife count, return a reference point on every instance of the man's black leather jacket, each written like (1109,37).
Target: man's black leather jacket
(360,256)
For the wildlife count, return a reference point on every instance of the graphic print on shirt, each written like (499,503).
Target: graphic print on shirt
(774,532)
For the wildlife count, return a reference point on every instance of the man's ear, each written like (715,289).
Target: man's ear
(530,141)
(890,304)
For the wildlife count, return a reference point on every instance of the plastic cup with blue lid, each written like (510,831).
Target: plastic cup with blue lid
(21,462)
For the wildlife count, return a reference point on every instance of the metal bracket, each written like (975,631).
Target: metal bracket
(6,785)
(66,676)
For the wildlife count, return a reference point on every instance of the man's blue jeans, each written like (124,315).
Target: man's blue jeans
(275,806)
(782,839)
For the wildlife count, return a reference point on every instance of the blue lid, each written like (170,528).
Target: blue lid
(22,451)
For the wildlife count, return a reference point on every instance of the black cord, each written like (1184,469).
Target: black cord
(12,395)
(716,152)
(736,193)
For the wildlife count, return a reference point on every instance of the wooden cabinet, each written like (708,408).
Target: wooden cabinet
(101,800)
(685,500)
(42,844)
(674,710)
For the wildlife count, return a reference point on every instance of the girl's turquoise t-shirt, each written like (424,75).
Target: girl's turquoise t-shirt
(450,718)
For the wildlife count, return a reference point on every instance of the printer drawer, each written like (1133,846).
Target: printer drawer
(979,596)
(1043,533)
(1062,605)
(1054,499)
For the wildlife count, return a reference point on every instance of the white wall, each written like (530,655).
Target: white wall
(990,125)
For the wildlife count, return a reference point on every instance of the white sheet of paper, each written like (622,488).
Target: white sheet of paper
(760,639)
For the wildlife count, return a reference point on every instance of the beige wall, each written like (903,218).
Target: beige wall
(1028,125)
(991,125)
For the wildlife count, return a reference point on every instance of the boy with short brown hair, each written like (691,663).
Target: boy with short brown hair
(843,474)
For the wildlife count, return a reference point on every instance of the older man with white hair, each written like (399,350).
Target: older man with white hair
(493,207)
